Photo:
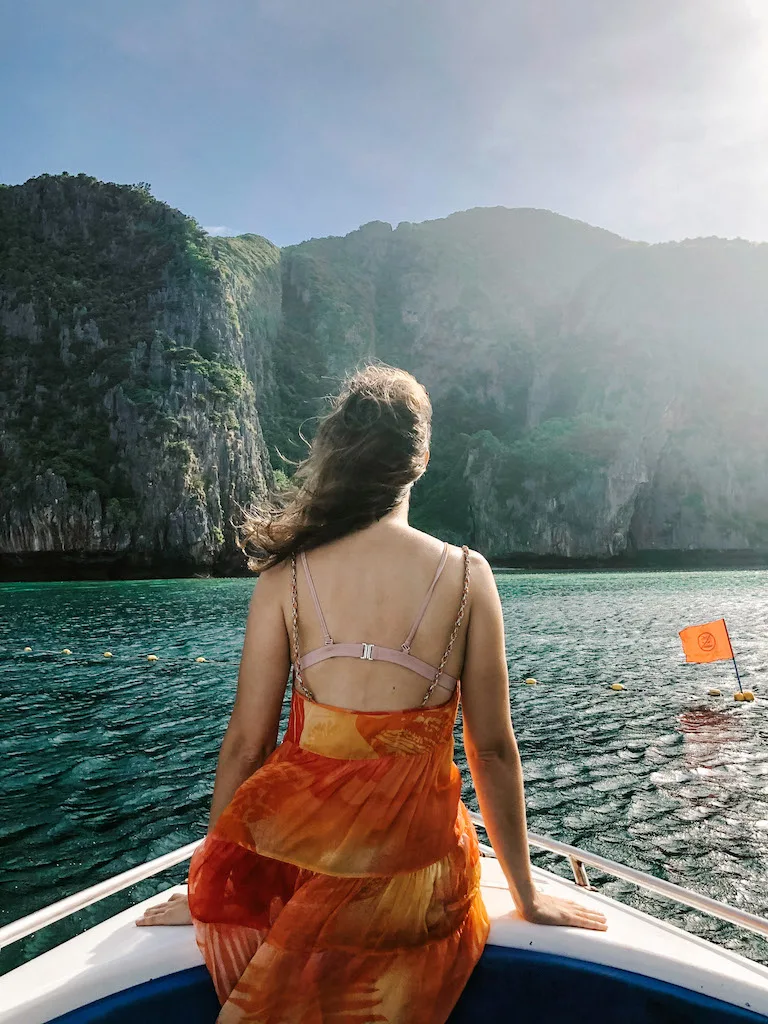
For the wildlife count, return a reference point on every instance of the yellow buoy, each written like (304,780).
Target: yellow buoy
(617,686)
(27,648)
(199,659)
(66,651)
(107,654)
(530,681)
(714,693)
(151,657)
(738,695)
(748,695)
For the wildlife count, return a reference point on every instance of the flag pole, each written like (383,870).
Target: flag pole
(735,666)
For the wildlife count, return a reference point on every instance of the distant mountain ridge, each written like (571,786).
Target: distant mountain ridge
(597,401)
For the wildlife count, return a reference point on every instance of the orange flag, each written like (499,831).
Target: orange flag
(709,642)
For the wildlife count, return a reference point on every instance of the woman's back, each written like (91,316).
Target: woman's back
(371,587)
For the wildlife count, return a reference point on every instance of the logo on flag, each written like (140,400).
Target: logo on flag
(708,642)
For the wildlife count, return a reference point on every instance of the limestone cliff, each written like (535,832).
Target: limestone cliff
(135,360)
(596,400)
(647,419)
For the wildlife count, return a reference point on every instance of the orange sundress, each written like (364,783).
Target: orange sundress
(341,885)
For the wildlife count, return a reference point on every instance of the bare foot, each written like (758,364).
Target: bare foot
(174,911)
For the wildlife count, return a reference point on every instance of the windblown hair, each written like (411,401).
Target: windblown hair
(366,453)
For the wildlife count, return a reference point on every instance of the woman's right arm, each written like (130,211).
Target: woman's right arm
(251,734)
(493,757)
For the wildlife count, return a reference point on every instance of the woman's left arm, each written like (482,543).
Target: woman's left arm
(251,735)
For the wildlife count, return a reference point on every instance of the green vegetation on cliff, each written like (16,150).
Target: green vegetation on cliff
(121,347)
(86,307)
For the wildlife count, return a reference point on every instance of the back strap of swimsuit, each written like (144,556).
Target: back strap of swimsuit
(326,635)
(297,677)
(373,652)
(428,597)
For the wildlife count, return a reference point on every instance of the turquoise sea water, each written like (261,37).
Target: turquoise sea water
(106,763)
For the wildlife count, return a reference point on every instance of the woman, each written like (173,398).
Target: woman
(339,880)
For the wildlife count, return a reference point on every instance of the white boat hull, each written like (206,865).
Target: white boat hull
(116,957)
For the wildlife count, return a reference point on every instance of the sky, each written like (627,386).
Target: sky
(302,118)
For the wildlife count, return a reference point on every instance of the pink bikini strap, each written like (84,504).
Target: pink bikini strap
(313,592)
(298,681)
(409,639)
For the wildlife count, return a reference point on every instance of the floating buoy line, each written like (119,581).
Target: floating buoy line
(108,654)
(742,696)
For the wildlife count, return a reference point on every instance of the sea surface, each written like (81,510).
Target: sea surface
(108,762)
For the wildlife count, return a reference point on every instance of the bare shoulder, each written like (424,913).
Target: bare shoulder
(481,573)
(479,564)
(429,542)
(273,587)
(277,577)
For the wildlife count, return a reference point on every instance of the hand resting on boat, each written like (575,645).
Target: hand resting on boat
(173,911)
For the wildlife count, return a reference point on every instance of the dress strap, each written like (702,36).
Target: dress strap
(456,627)
(326,635)
(420,615)
(297,677)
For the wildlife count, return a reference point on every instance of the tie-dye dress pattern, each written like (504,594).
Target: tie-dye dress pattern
(341,885)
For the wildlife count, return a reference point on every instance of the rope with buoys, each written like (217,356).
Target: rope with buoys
(108,654)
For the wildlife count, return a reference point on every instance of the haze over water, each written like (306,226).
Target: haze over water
(108,762)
